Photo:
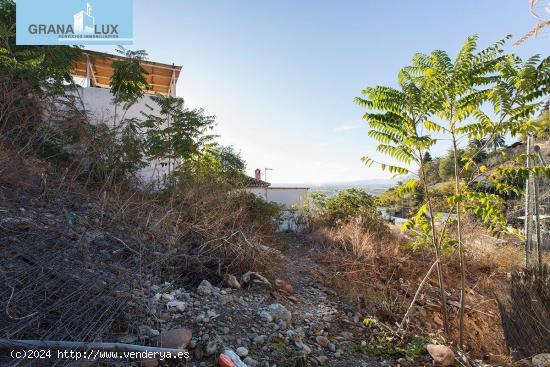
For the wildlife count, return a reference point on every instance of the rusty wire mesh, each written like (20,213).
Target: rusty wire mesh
(525,313)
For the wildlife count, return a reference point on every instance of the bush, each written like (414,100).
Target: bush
(346,205)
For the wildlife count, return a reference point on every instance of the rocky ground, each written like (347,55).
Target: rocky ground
(294,322)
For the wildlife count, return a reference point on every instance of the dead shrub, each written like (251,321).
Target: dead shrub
(374,270)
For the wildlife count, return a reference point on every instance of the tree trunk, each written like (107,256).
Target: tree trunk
(459,239)
(436,249)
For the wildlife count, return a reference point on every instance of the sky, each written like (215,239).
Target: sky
(281,75)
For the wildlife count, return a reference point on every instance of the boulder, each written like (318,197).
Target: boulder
(441,354)
(175,338)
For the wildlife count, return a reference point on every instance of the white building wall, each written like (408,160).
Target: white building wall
(99,108)
(98,103)
(287,197)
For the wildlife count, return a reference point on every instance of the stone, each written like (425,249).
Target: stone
(441,354)
(225,298)
(167,297)
(150,362)
(242,352)
(175,338)
(176,305)
(260,339)
(346,335)
(205,288)
(252,276)
(211,348)
(279,312)
(266,316)
(250,362)
(231,281)
(402,362)
(332,347)
(284,286)
(322,359)
(322,341)
(145,330)
(541,360)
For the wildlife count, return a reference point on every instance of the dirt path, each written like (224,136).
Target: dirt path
(308,326)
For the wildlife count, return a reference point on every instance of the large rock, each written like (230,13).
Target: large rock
(441,354)
(279,312)
(175,338)
(541,360)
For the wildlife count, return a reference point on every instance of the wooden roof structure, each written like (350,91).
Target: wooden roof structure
(97,69)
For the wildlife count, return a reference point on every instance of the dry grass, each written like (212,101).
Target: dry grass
(373,269)
(78,259)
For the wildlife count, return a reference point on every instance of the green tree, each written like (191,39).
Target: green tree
(396,118)
(427,157)
(217,163)
(446,166)
(498,142)
(454,93)
(458,87)
(476,151)
(176,135)
(34,79)
(128,82)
